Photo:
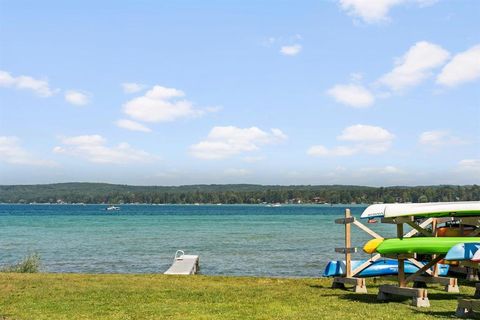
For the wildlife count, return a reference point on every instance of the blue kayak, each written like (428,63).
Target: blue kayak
(382,267)
(462,251)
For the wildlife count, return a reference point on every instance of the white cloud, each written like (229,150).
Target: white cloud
(132,87)
(93,148)
(224,142)
(237,172)
(292,50)
(132,125)
(253,159)
(77,98)
(39,87)
(464,67)
(439,138)
(415,66)
(340,151)
(161,104)
(471,166)
(365,139)
(11,152)
(352,95)
(365,133)
(372,11)
(387,170)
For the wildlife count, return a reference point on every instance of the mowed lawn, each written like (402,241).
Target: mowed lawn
(118,296)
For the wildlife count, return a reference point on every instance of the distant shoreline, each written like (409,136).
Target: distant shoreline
(103,193)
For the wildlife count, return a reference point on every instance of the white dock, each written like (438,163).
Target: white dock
(184,264)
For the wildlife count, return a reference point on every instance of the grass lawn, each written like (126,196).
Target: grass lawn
(78,296)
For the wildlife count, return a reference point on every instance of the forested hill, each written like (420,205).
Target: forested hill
(233,193)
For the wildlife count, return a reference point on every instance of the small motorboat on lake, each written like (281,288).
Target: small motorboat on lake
(112,208)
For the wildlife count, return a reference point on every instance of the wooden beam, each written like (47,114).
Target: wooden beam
(419,265)
(474,233)
(345,220)
(358,283)
(473,221)
(366,264)
(348,244)
(346,250)
(367,229)
(419,296)
(419,229)
(467,308)
(422,225)
(409,292)
(399,256)
(425,267)
(401,262)
(451,284)
(435,234)
(397,220)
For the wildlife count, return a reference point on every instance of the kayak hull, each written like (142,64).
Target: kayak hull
(422,245)
(463,251)
(382,267)
(431,209)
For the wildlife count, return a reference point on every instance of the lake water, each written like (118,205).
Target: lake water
(253,240)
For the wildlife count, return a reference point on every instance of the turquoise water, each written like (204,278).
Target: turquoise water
(286,241)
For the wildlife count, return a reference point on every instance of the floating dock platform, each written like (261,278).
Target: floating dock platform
(184,264)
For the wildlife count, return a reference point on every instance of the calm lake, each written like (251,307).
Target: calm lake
(253,240)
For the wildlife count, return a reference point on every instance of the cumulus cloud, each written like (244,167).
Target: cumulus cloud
(363,139)
(292,50)
(415,66)
(132,125)
(12,152)
(132,87)
(373,11)
(464,67)
(352,95)
(40,87)
(366,133)
(93,148)
(224,142)
(439,138)
(161,104)
(77,98)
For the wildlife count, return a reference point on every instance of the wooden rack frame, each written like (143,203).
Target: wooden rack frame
(349,278)
(420,278)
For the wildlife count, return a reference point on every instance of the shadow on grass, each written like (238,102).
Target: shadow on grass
(438,314)
(319,286)
(447,296)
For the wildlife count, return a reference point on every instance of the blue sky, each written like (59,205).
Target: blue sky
(271,92)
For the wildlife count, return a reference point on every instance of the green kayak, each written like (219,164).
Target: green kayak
(425,245)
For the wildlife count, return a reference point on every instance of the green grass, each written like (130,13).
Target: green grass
(74,296)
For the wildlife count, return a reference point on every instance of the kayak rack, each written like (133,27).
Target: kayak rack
(468,308)
(424,275)
(349,278)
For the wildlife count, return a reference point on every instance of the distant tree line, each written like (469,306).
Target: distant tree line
(231,194)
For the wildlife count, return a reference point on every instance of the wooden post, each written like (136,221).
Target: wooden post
(348,243)
(401,265)
(435,233)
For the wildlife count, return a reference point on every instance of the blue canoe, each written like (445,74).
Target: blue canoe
(382,267)
(462,251)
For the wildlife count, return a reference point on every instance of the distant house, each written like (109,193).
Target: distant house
(318,200)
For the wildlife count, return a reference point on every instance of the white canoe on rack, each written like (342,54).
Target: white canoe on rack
(184,264)
(431,209)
